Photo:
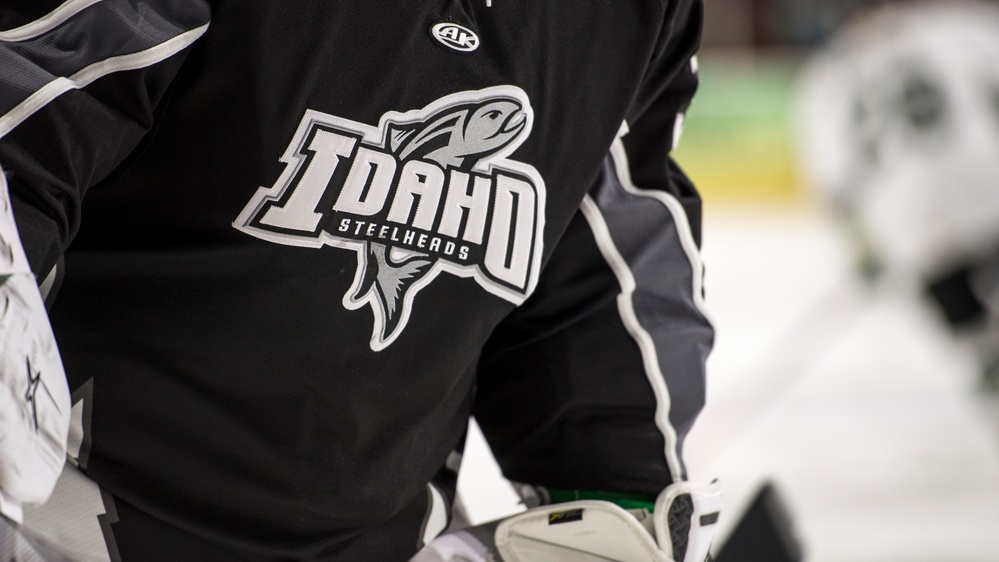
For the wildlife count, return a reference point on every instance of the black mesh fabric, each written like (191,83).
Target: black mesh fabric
(678,519)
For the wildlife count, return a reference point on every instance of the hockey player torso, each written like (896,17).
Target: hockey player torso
(274,306)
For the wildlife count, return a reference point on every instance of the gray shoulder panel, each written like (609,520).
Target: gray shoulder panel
(646,239)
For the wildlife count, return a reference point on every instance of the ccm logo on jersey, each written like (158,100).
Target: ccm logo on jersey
(426,191)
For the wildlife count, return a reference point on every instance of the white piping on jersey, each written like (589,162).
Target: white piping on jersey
(620,157)
(623,129)
(48,22)
(678,129)
(647,347)
(681,117)
(626,279)
(85,76)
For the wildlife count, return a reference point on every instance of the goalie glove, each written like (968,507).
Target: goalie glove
(680,529)
(34,395)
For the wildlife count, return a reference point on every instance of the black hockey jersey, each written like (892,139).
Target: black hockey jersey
(304,241)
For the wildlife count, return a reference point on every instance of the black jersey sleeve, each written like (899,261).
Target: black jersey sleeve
(595,380)
(80,82)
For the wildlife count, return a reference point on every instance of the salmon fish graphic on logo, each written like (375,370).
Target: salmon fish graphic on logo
(457,139)
(425,192)
(462,136)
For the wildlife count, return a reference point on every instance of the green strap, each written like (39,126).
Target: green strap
(624,500)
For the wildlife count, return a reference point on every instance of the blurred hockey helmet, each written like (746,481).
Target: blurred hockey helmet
(898,120)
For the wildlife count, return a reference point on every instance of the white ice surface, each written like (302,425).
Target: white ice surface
(856,403)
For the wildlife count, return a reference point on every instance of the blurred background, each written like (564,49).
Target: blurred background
(836,374)
(846,152)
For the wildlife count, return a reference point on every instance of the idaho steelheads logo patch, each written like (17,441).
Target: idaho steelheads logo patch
(426,191)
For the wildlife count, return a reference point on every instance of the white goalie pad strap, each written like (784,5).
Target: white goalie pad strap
(685,520)
(580,531)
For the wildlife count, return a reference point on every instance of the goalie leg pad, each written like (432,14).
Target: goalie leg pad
(680,529)
(587,530)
